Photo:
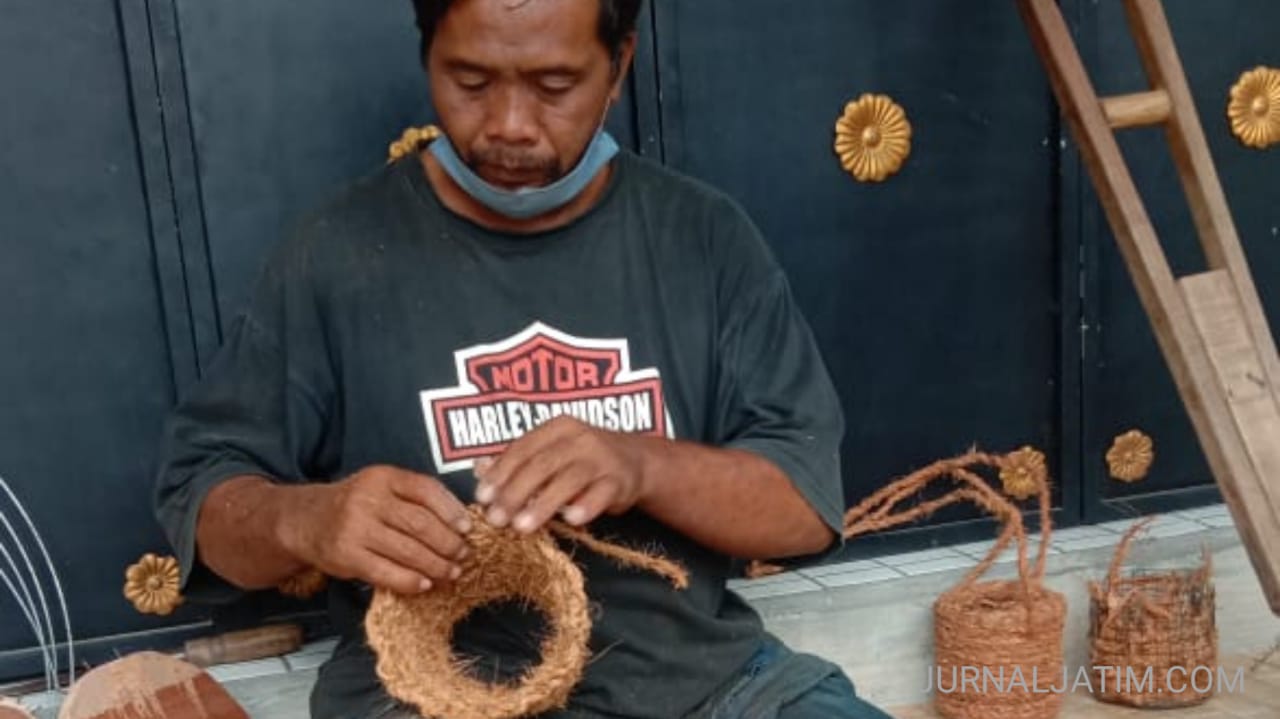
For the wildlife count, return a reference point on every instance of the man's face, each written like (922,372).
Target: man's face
(522,85)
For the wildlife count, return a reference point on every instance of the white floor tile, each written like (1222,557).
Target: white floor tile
(1173,527)
(323,647)
(1198,513)
(1218,522)
(248,670)
(303,662)
(1075,545)
(1080,533)
(840,568)
(896,560)
(979,550)
(1118,526)
(781,578)
(1033,551)
(861,576)
(941,564)
(973,549)
(797,585)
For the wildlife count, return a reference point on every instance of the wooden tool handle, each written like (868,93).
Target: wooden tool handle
(243,646)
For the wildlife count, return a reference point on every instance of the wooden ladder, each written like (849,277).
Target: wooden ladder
(1210,326)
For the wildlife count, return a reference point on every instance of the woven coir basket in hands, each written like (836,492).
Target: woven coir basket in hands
(413,635)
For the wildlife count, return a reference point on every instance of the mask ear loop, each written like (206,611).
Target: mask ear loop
(604,119)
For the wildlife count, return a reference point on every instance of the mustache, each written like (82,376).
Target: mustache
(516,161)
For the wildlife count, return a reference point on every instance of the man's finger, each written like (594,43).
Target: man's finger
(423,524)
(412,554)
(528,479)
(493,476)
(562,488)
(386,574)
(594,500)
(430,493)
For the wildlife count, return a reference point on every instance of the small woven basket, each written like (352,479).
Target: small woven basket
(412,636)
(1148,632)
(1006,632)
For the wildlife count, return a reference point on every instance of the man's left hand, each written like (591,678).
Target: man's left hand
(564,466)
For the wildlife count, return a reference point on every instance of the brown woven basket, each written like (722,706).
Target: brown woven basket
(1148,632)
(1007,632)
(412,635)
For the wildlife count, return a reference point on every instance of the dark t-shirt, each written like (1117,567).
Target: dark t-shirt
(389,330)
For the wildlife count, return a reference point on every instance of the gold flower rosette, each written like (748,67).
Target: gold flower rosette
(1254,109)
(152,585)
(873,138)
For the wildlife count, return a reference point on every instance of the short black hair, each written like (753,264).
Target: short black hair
(617,21)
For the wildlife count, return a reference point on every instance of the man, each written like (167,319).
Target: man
(526,318)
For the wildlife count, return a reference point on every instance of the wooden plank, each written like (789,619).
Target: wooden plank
(1219,318)
(1199,177)
(1163,302)
(1116,190)
(1139,109)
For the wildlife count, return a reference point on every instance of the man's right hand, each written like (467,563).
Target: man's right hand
(388,527)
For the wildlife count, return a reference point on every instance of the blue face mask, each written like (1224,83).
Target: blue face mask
(526,202)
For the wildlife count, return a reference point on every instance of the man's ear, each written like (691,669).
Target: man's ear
(622,64)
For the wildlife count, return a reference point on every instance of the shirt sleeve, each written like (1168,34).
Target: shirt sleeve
(263,407)
(774,396)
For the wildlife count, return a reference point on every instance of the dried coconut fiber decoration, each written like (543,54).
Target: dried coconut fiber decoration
(412,635)
(1152,622)
(1004,628)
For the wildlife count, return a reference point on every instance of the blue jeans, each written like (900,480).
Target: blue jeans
(778,683)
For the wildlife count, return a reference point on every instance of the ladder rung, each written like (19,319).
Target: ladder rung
(1139,109)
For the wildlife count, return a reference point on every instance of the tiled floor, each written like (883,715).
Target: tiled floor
(874,616)
(963,556)
(895,592)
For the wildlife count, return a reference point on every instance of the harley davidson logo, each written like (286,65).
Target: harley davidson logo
(507,389)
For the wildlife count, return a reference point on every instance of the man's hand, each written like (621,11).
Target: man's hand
(389,527)
(564,466)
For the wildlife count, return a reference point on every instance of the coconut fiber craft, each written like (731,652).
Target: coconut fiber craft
(1146,628)
(998,630)
(413,635)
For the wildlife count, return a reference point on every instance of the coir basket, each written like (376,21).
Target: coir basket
(997,643)
(1149,633)
(412,636)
